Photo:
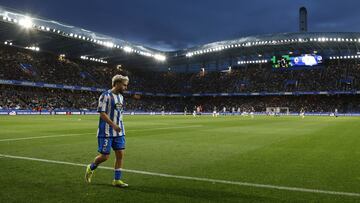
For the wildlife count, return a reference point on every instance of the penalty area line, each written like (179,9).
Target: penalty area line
(247,184)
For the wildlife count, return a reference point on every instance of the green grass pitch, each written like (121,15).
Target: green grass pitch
(315,153)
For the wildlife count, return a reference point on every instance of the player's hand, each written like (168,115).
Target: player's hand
(117,128)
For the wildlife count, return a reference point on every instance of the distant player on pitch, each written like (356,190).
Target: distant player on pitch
(194,111)
(302,113)
(252,110)
(111,131)
(336,113)
(215,114)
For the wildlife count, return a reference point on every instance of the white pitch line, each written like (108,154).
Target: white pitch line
(70,135)
(254,185)
(42,137)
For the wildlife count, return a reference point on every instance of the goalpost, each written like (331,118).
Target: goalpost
(277,110)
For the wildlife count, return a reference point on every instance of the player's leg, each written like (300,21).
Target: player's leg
(119,160)
(98,160)
(119,148)
(104,150)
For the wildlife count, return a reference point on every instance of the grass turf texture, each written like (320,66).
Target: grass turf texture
(314,152)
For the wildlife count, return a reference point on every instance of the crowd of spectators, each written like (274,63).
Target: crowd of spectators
(34,98)
(311,103)
(20,64)
(45,67)
(27,65)
(332,76)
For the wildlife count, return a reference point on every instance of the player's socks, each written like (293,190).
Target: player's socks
(117,174)
(93,166)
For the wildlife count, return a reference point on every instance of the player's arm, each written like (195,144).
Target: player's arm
(106,118)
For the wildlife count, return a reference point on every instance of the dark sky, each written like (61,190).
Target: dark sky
(172,25)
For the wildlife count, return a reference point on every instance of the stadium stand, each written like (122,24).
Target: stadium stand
(233,74)
(45,67)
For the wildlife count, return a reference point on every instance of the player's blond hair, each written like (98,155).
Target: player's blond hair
(119,78)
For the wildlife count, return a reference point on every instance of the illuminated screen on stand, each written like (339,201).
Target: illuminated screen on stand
(287,61)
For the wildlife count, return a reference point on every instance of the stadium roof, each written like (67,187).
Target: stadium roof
(56,37)
(47,35)
(265,46)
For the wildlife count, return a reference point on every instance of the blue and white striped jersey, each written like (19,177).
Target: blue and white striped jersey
(112,104)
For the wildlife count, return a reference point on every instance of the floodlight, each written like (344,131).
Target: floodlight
(128,49)
(26,22)
(159,57)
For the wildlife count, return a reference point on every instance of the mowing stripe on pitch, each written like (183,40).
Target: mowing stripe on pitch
(165,128)
(94,133)
(276,187)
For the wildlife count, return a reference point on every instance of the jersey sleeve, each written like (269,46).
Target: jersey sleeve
(103,101)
